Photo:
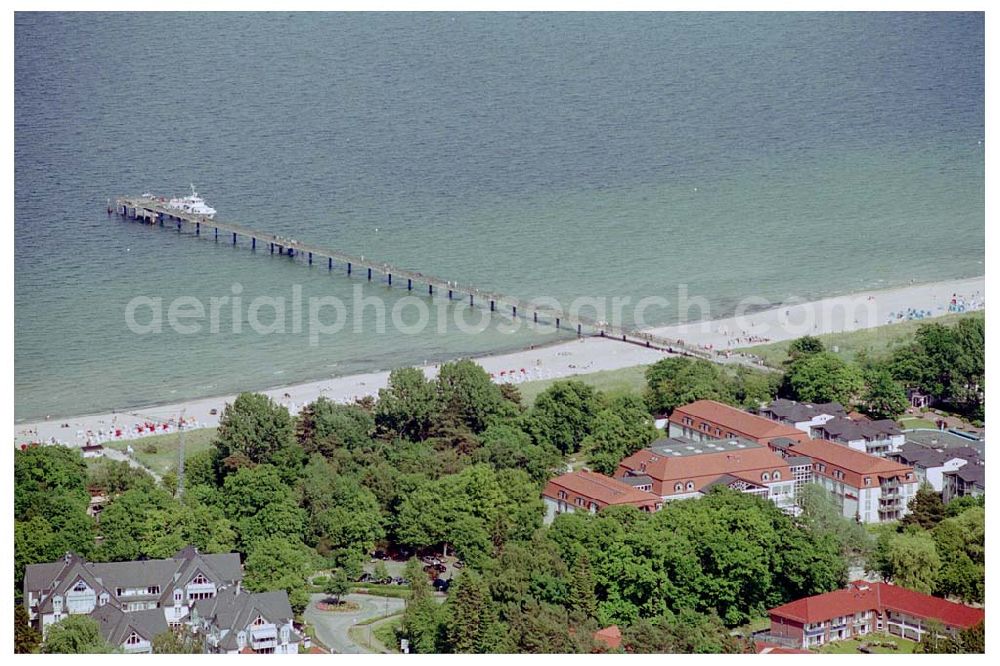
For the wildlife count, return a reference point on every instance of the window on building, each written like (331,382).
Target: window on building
(678,487)
(153,589)
(690,485)
(133,639)
(705,427)
(868,480)
(776,475)
(765,476)
(199,580)
(562,494)
(579,501)
(80,586)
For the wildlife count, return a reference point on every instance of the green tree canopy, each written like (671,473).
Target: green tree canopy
(26,638)
(622,428)
(77,634)
(824,377)
(254,430)
(883,397)
(407,406)
(324,426)
(925,508)
(467,395)
(676,381)
(805,346)
(277,564)
(562,415)
(178,641)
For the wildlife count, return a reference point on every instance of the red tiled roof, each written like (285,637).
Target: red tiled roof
(861,596)
(599,488)
(704,468)
(315,649)
(736,420)
(247,650)
(610,636)
(848,458)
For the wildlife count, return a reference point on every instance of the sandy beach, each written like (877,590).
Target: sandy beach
(844,313)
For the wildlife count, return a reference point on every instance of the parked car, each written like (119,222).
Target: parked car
(440,567)
(380,555)
(441,584)
(399,580)
(366,578)
(458,564)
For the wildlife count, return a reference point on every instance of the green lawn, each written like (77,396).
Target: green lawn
(877,341)
(385,633)
(851,646)
(165,456)
(613,381)
(912,422)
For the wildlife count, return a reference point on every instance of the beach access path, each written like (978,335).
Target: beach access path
(865,309)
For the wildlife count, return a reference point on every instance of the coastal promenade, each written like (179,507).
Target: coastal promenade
(153,210)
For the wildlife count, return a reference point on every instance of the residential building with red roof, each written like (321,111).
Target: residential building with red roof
(584,490)
(867,488)
(864,608)
(679,468)
(708,419)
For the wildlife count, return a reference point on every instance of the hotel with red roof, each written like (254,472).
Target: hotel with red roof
(708,419)
(867,488)
(864,608)
(584,490)
(680,468)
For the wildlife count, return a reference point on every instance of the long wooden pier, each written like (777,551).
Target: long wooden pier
(155,211)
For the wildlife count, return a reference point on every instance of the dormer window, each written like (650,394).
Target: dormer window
(678,487)
(80,586)
(690,485)
(133,639)
(199,580)
(776,475)
(765,477)
(103,599)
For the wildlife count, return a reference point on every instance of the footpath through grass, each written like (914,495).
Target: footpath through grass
(159,452)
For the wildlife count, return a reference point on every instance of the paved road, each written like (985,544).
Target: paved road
(331,627)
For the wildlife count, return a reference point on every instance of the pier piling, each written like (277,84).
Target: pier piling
(152,210)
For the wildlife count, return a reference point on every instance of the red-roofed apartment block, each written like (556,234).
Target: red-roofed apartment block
(589,491)
(868,488)
(864,608)
(708,419)
(679,468)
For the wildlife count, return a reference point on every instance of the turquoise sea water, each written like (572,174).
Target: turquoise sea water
(559,155)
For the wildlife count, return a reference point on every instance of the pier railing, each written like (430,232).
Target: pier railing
(155,211)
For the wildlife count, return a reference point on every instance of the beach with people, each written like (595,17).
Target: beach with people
(722,337)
